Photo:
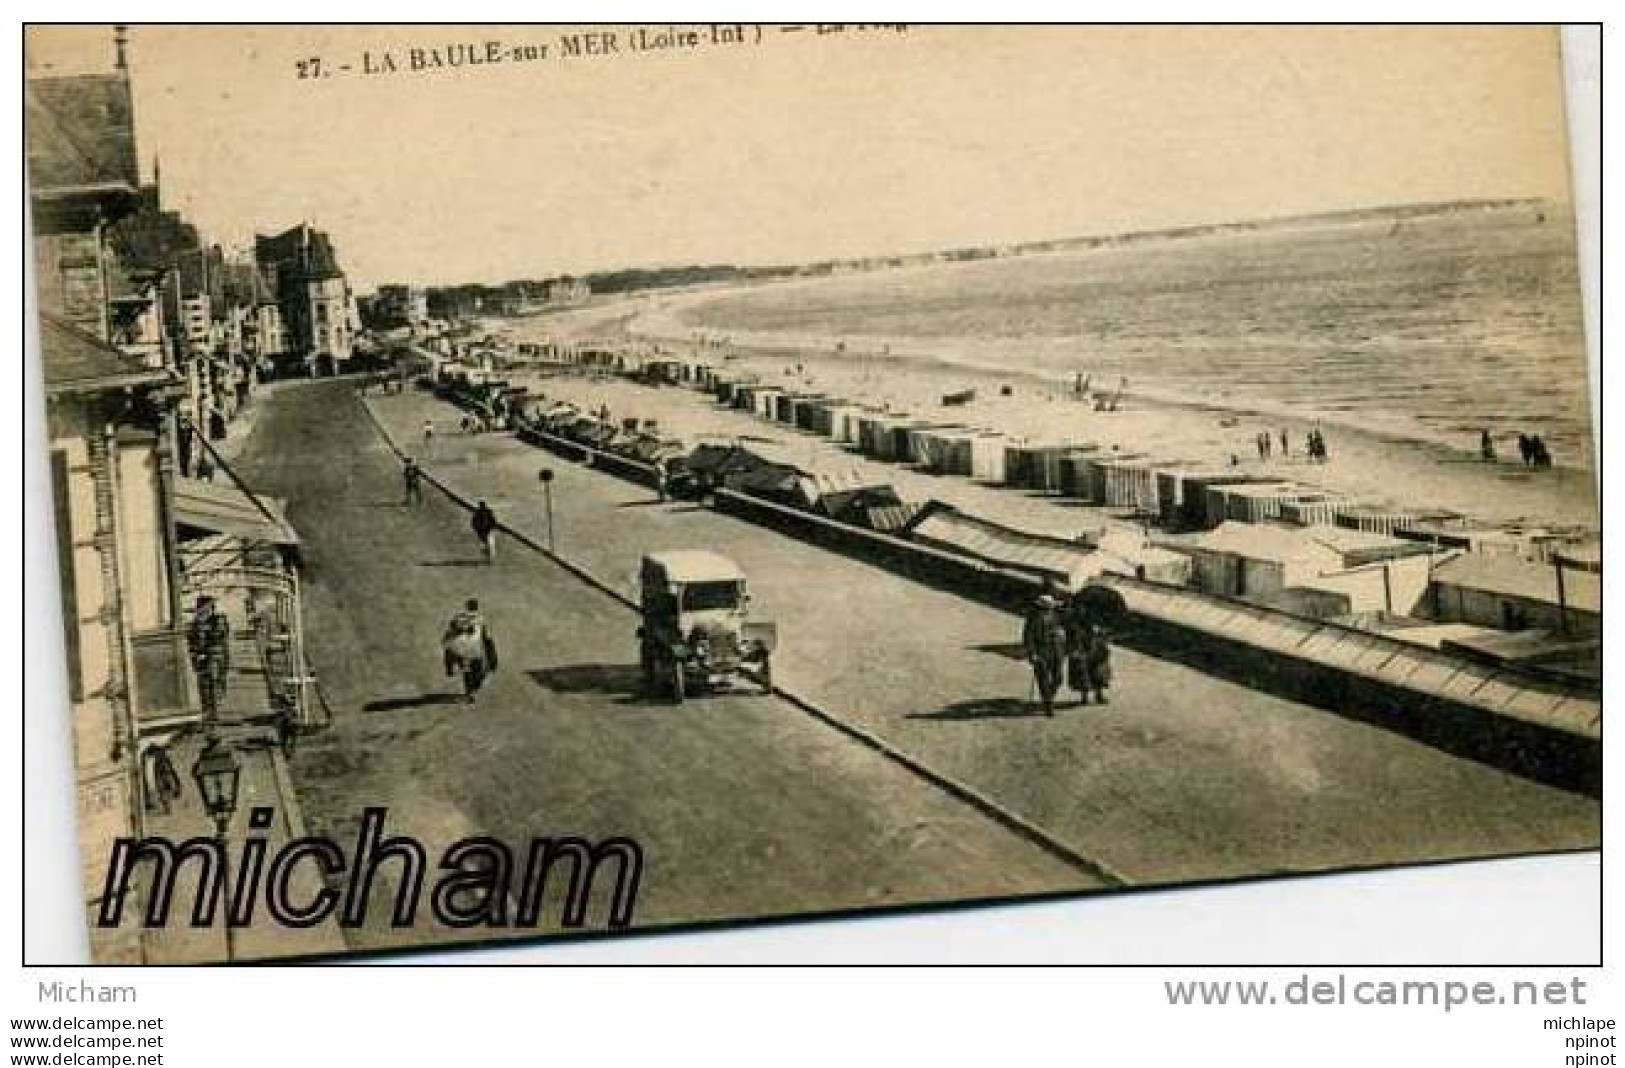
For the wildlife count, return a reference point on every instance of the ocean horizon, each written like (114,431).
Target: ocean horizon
(1431,327)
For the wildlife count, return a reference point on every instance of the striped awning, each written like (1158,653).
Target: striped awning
(214,508)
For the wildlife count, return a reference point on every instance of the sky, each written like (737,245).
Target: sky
(810,146)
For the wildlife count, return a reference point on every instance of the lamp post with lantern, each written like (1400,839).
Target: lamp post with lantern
(546,475)
(217,774)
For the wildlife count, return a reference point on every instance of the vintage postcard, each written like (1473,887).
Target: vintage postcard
(514,482)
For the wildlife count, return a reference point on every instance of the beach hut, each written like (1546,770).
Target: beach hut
(894,441)
(1255,502)
(1172,488)
(1312,509)
(1094,478)
(1380,519)
(821,416)
(765,402)
(1036,466)
(944,450)
(956,453)
(843,423)
(804,410)
(987,452)
(1130,482)
(1194,489)
(872,427)
(843,417)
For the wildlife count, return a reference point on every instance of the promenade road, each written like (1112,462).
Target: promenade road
(743,805)
(1184,776)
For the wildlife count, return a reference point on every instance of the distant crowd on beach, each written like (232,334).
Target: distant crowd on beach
(1531,449)
(1314,445)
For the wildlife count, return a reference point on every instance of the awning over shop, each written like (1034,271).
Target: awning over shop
(212,508)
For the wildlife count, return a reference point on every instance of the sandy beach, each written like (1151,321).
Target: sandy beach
(1374,466)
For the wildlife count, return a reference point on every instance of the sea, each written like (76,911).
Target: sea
(1432,327)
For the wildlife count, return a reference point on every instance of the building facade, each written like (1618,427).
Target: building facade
(109,417)
(314,297)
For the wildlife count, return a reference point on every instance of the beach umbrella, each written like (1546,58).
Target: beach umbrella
(1100,605)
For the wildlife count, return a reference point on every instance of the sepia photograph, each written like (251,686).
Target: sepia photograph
(528,483)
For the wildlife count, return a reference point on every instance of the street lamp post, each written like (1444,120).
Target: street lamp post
(546,475)
(217,775)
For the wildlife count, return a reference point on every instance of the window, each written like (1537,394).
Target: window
(706,596)
(65,574)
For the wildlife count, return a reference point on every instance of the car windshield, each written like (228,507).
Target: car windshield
(705,596)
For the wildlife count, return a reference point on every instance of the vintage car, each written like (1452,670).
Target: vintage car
(696,632)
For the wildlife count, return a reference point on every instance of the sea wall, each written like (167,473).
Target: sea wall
(1538,728)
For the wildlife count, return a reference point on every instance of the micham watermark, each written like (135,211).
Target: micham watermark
(478,881)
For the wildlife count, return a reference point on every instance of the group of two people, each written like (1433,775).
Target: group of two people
(1064,642)
(483,521)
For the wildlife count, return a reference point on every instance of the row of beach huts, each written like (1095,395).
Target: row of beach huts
(1229,531)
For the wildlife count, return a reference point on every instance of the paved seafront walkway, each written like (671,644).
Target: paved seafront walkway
(1183,776)
(743,805)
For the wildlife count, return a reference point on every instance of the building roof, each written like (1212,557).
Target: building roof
(80,134)
(1513,576)
(1364,545)
(303,253)
(226,509)
(75,361)
(1261,541)
(945,526)
(154,239)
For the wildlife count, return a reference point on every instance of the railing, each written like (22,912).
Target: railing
(277,623)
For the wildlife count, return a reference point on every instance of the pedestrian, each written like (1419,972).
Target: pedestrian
(1258,443)
(412,475)
(1089,658)
(662,478)
(1043,640)
(1526,450)
(484,523)
(208,641)
(1486,445)
(469,649)
(1286,443)
(205,468)
(1537,449)
(466,425)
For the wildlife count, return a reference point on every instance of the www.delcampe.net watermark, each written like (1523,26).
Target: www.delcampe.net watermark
(479,881)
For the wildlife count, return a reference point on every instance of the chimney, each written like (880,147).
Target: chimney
(121,41)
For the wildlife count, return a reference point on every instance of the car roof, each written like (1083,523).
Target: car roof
(694,565)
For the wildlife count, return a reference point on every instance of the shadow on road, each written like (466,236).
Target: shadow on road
(982,708)
(1008,650)
(618,680)
(395,704)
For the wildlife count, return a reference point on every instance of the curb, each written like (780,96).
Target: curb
(1009,820)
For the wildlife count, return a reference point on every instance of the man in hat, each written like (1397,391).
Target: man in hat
(412,474)
(208,640)
(484,524)
(469,648)
(1043,640)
